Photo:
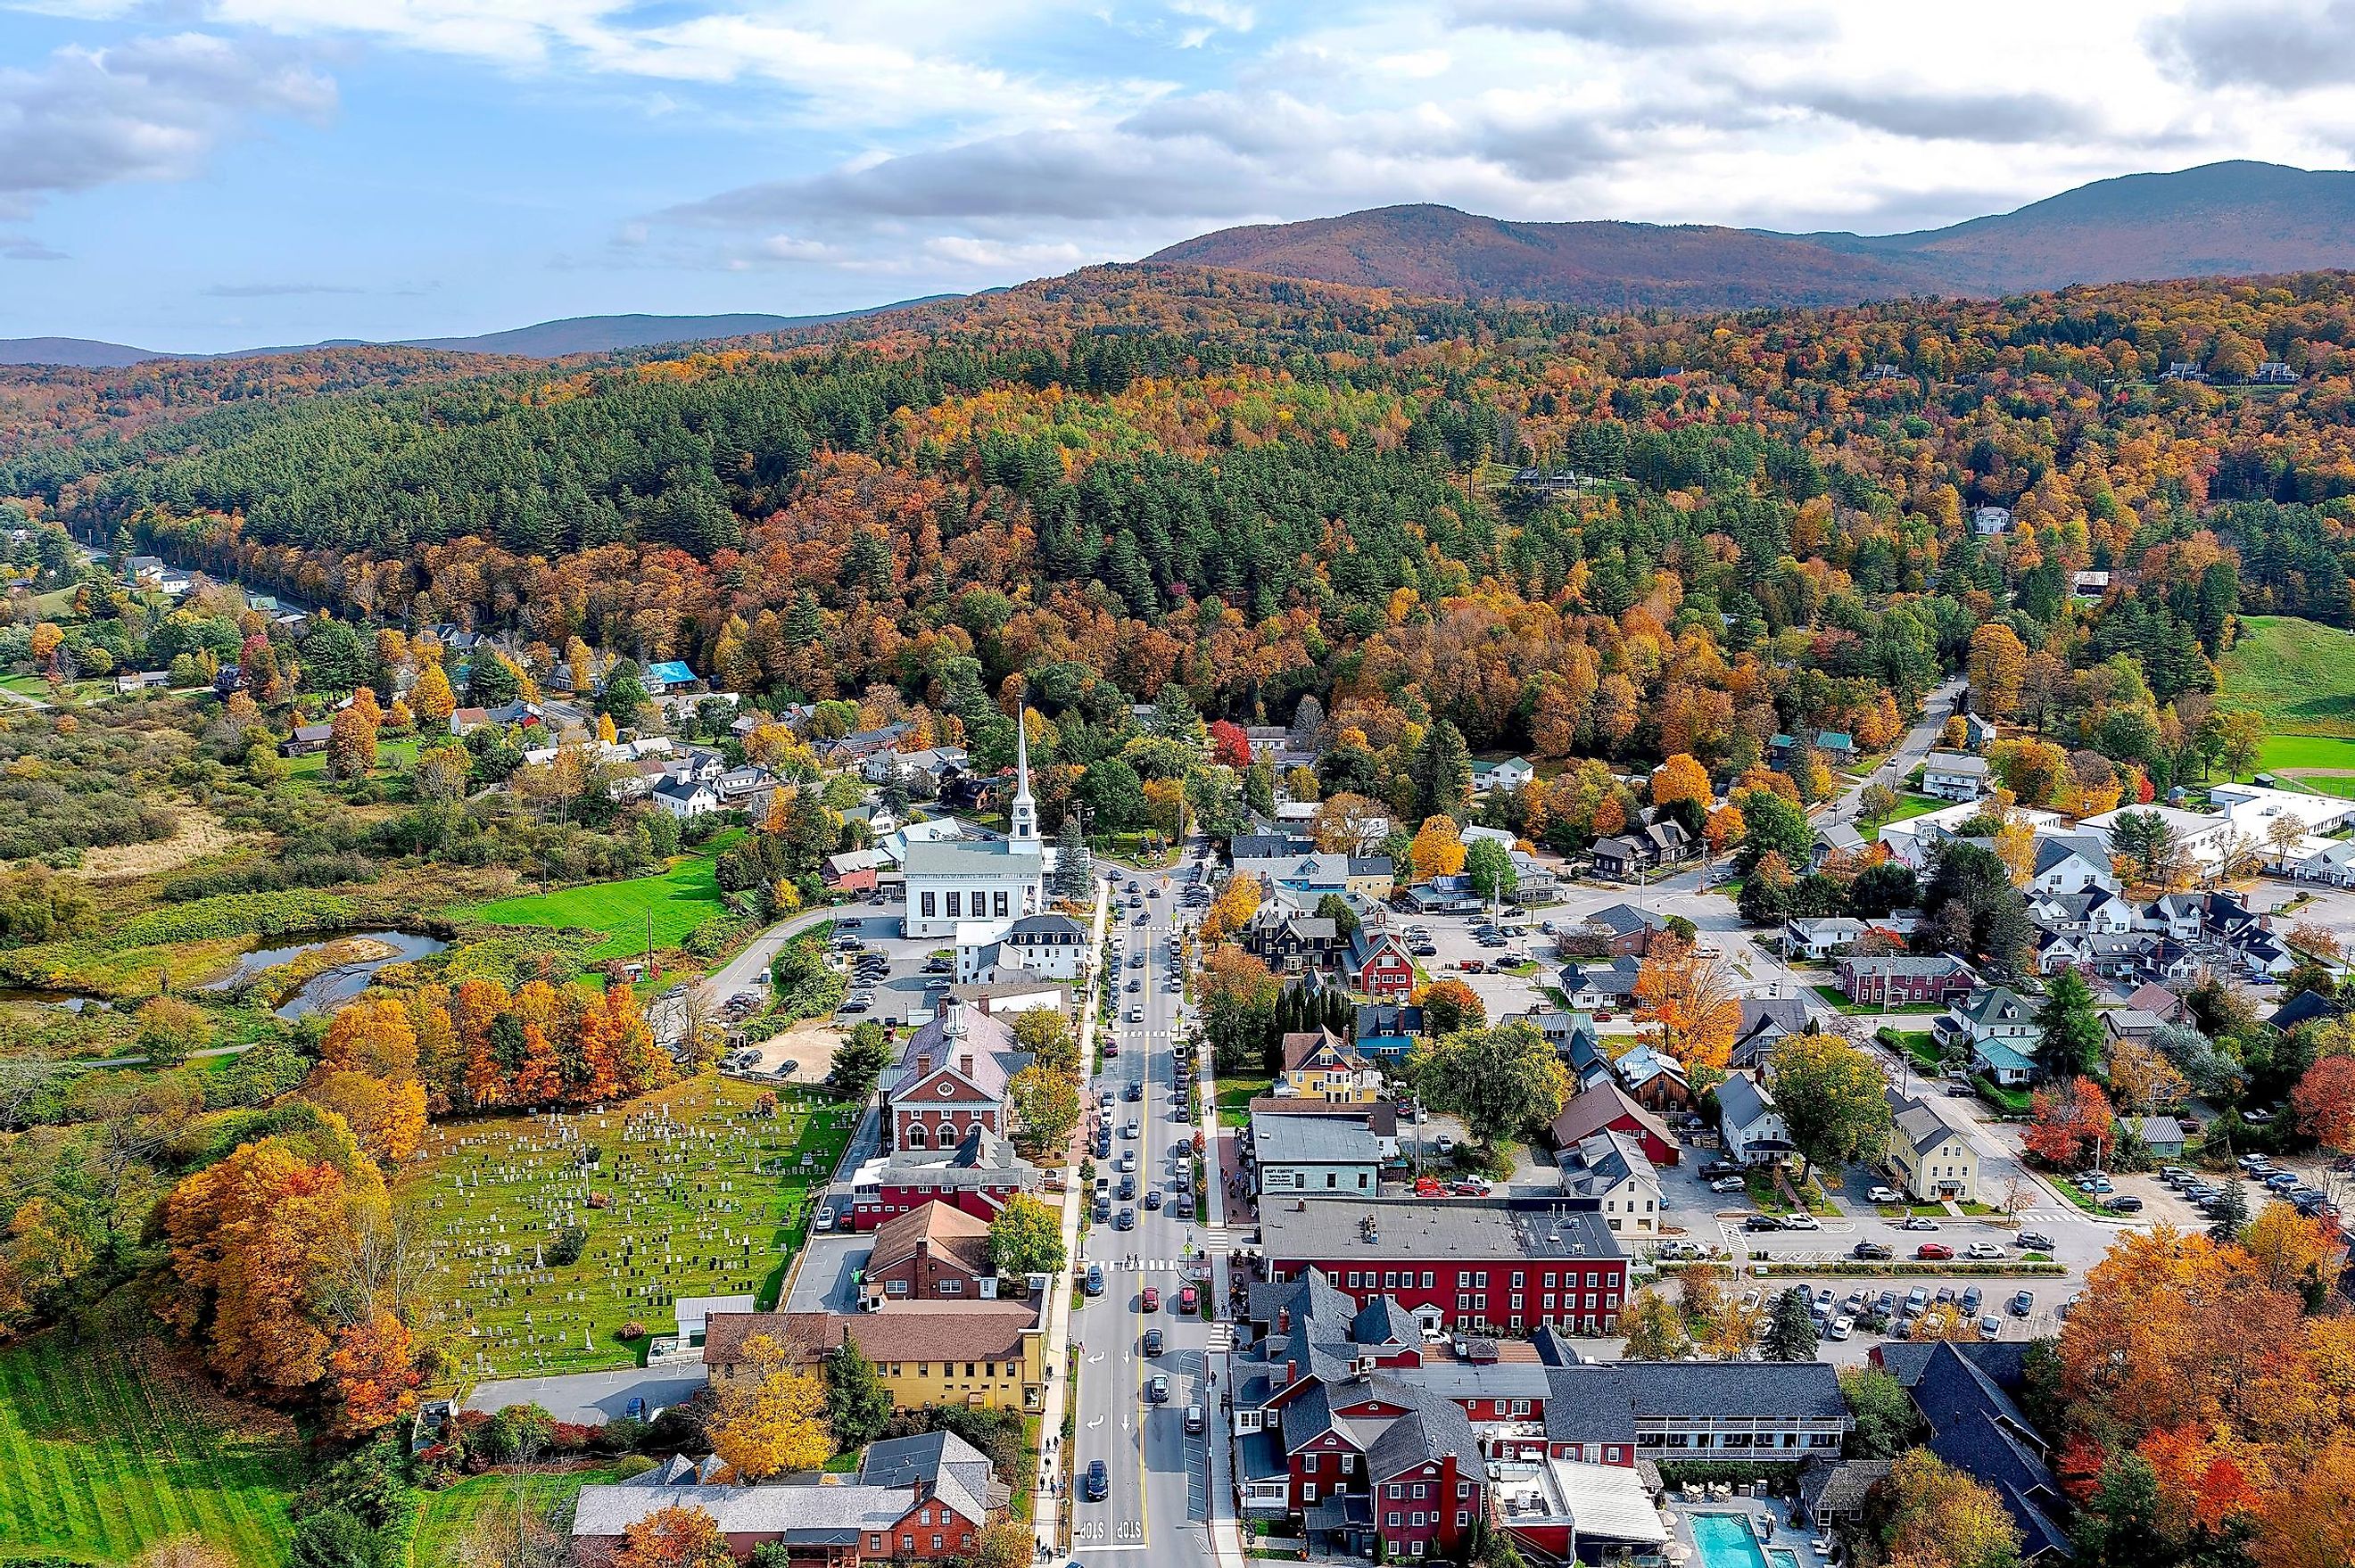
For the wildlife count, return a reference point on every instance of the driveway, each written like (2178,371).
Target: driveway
(592,1398)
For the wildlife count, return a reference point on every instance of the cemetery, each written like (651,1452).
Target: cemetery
(553,1235)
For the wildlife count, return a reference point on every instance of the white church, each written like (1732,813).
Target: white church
(959,881)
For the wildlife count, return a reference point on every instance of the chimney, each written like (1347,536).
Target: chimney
(1290,1370)
(1284,1319)
(924,1063)
(964,1063)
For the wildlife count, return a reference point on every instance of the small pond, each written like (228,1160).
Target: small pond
(329,988)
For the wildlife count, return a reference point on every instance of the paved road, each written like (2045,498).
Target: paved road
(1158,1498)
(1918,744)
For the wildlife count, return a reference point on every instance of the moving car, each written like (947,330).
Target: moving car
(1153,1198)
(1150,1300)
(1919,1222)
(1154,1341)
(2034,1241)
(1098,1482)
(1157,1390)
(1126,1221)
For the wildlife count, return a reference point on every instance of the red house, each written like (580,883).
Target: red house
(1378,965)
(953,1081)
(1608,1108)
(976,1177)
(1508,1264)
(1897,981)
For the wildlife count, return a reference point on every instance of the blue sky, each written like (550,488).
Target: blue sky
(200,174)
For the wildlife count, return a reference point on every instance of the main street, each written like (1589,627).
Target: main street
(1158,1495)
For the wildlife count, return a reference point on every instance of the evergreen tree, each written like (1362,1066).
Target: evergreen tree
(1075,871)
(1442,773)
(1792,1335)
(2072,1029)
(857,1404)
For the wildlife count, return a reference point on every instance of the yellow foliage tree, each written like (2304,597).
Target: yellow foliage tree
(431,698)
(773,1416)
(1438,848)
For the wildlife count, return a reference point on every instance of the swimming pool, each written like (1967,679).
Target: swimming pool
(1726,1541)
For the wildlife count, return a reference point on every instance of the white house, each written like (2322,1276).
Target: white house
(1912,840)
(1051,944)
(1952,775)
(1820,937)
(1753,1129)
(952,881)
(686,798)
(1513,773)
(1612,1169)
(2071,863)
(2332,864)
(1990,519)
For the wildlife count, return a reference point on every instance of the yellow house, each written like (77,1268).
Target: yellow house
(1933,1161)
(1319,1065)
(988,1353)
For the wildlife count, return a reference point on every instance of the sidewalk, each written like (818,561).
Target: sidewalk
(1226,1534)
(1046,1507)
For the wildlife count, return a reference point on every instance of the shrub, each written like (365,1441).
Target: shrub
(565,1250)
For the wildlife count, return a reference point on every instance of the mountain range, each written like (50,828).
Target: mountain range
(542,340)
(2218,220)
(2215,221)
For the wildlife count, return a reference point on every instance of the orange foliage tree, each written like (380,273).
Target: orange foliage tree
(1689,999)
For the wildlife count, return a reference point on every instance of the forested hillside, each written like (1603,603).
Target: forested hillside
(1264,488)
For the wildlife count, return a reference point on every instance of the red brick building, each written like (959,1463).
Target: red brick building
(938,1253)
(976,1175)
(953,1080)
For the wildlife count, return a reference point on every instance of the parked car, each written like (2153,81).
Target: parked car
(1150,1299)
(2123,1203)
(1934,1252)
(1886,1195)
(1919,1222)
(1801,1221)
(1762,1222)
(2034,1241)
(1195,1418)
(1095,1279)
(2023,1302)
(1990,1328)
(1727,1184)
(1917,1301)
(1873,1251)
(1186,1298)
(1983,1250)
(1841,1327)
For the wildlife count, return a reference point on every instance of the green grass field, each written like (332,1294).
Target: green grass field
(2299,674)
(676,902)
(113,1445)
(449,1517)
(700,1196)
(391,757)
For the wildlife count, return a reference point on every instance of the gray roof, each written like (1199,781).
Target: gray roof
(960,857)
(1313,1140)
(1626,920)
(1316,1229)
(1922,1128)
(1976,1428)
(957,1473)
(793,1511)
(1943,963)
(1597,1164)
(1765,1390)
(1743,1102)
(1956,764)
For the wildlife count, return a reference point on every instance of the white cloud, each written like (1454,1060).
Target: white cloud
(151,109)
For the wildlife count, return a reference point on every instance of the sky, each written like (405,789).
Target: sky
(195,176)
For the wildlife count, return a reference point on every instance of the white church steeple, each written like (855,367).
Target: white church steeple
(1022,818)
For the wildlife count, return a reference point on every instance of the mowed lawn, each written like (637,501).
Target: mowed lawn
(690,1191)
(451,1518)
(111,1446)
(674,903)
(2299,674)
